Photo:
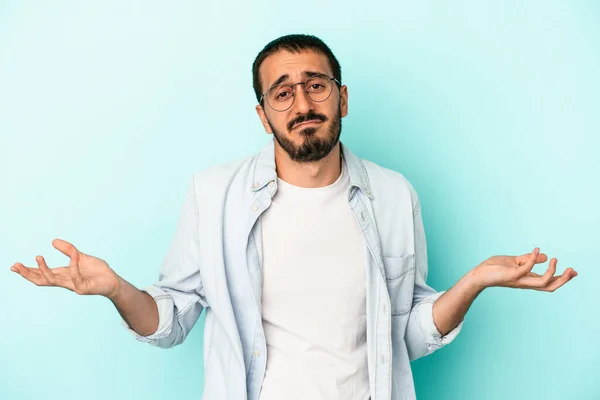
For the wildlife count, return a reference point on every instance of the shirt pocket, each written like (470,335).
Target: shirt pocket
(400,279)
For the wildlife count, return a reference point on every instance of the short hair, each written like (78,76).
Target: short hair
(294,43)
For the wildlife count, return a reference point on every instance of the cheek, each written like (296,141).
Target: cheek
(272,120)
(333,112)
(279,122)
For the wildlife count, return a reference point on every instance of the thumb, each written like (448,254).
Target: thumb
(64,247)
(529,263)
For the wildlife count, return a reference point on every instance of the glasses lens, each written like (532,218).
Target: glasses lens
(319,88)
(280,97)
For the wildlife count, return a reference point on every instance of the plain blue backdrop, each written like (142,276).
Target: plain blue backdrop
(490,109)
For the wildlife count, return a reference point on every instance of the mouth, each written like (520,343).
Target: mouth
(306,123)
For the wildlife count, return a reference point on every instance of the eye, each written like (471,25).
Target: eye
(281,93)
(317,85)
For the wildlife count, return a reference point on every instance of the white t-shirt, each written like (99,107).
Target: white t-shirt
(314,295)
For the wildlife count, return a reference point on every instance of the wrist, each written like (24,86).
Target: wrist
(117,291)
(474,281)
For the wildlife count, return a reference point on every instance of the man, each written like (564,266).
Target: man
(311,263)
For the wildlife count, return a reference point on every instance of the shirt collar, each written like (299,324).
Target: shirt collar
(265,172)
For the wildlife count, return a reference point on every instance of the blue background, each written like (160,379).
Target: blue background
(490,109)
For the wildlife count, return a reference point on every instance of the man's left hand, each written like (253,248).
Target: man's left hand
(515,272)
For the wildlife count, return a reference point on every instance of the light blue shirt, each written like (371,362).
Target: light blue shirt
(214,264)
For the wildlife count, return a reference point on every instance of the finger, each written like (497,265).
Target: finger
(18,268)
(560,280)
(533,280)
(45,271)
(534,274)
(59,272)
(33,275)
(549,272)
(542,258)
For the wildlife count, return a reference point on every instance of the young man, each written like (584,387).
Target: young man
(311,263)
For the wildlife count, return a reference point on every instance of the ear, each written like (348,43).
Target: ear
(263,118)
(343,101)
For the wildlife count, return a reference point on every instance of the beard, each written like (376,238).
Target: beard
(313,148)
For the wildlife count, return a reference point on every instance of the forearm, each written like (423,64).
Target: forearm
(137,308)
(451,307)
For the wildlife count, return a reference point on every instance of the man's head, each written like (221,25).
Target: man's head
(286,113)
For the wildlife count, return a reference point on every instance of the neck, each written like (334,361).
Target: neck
(308,174)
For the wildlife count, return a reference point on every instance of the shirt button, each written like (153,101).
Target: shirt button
(254,207)
(256,353)
(271,185)
(384,308)
(383,359)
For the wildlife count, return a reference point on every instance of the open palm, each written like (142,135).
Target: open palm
(515,272)
(85,274)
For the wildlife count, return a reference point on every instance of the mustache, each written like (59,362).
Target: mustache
(304,118)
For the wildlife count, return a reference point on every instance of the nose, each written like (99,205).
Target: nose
(302,103)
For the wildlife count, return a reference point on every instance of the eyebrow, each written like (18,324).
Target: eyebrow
(284,77)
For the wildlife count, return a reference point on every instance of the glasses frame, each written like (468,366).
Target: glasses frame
(262,96)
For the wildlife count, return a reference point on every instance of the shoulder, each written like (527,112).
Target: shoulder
(223,173)
(390,184)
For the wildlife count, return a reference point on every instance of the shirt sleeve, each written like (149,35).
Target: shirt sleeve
(422,336)
(178,293)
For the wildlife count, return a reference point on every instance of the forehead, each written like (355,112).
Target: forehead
(293,64)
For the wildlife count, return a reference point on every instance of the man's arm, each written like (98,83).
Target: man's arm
(179,292)
(89,275)
(507,271)
(137,308)
(161,314)
(450,308)
(422,336)
(436,317)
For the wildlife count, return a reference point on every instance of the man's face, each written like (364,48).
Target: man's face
(308,130)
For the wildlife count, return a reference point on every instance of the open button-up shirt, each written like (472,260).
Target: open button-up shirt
(214,264)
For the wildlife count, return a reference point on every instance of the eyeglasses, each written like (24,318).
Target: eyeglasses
(281,97)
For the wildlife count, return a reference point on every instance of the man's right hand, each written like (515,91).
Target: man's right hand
(84,275)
